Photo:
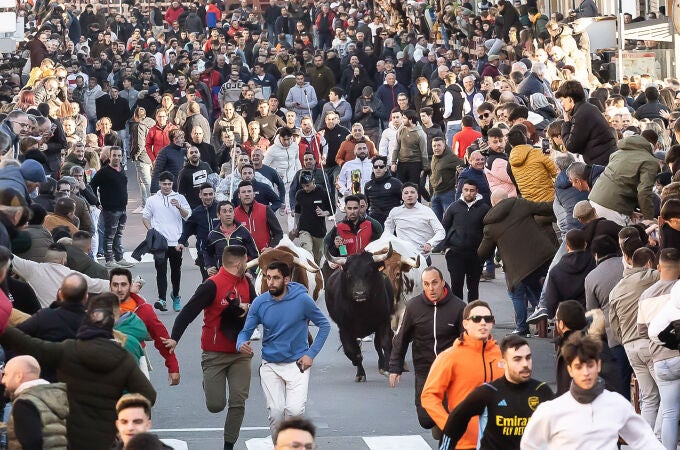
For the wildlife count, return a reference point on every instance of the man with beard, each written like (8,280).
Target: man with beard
(355,173)
(383,192)
(514,395)
(312,208)
(286,354)
(192,176)
(269,122)
(224,299)
(335,135)
(200,223)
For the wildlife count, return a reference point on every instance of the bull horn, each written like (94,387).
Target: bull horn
(411,262)
(383,257)
(332,259)
(305,265)
(252,263)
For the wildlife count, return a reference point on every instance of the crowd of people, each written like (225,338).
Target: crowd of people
(484,132)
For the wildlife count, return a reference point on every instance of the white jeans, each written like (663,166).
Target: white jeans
(285,390)
(612,215)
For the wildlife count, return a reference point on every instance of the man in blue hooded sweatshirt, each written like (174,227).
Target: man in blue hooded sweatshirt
(286,355)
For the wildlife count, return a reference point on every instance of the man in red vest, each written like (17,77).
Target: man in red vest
(224,299)
(353,233)
(260,220)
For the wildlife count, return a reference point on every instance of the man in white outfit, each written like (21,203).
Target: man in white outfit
(588,416)
(165,212)
(283,156)
(415,222)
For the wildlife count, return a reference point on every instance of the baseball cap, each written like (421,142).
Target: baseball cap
(153,89)
(33,171)
(583,209)
(306,177)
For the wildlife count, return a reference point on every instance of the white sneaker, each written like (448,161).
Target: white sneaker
(138,210)
(257,335)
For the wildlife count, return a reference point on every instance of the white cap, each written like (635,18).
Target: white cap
(400,55)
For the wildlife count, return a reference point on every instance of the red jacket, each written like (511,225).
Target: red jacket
(157,331)
(314,147)
(158,138)
(355,243)
(173,14)
(256,223)
(212,338)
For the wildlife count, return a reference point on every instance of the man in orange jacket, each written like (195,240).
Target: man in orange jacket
(473,360)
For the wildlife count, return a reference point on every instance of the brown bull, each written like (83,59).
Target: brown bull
(299,268)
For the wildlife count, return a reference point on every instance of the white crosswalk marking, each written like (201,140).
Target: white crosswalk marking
(148,257)
(413,442)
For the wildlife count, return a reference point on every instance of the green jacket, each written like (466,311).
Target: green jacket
(51,402)
(444,176)
(628,179)
(133,327)
(511,226)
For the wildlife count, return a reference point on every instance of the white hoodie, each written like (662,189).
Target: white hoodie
(285,160)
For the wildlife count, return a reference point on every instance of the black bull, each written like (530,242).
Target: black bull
(359,299)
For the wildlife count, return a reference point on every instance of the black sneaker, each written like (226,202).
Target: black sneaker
(537,316)
(160,305)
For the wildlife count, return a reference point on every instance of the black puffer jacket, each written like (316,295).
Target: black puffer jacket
(96,372)
(464,226)
(382,194)
(588,134)
(430,326)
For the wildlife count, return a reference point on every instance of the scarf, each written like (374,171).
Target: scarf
(585,396)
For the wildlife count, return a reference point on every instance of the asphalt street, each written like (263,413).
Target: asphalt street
(349,415)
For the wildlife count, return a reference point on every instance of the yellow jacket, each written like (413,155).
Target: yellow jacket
(534,173)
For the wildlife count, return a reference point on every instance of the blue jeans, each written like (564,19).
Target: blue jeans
(561,251)
(668,380)
(114,225)
(520,296)
(440,202)
(452,129)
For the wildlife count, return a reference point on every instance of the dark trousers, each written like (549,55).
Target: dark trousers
(332,174)
(464,267)
(114,225)
(175,258)
(325,41)
(423,417)
(409,171)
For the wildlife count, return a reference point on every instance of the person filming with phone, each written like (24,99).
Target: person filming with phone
(284,311)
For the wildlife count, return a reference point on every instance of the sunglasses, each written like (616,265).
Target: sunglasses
(379,166)
(486,115)
(477,319)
